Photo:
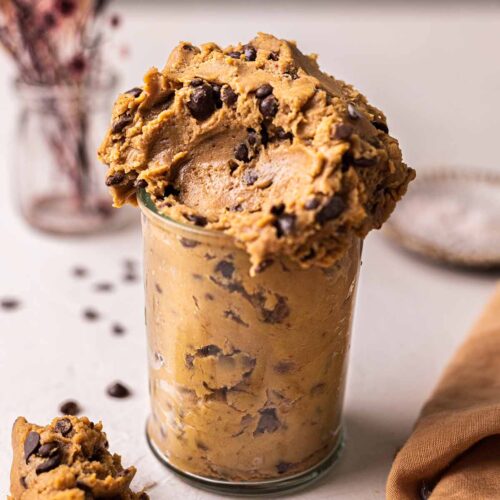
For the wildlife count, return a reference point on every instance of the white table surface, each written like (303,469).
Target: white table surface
(434,71)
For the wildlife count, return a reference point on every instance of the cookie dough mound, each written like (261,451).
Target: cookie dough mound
(67,460)
(256,141)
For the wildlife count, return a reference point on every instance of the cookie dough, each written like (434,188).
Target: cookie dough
(67,460)
(256,141)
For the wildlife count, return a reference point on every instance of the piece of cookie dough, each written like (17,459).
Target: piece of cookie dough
(255,141)
(67,460)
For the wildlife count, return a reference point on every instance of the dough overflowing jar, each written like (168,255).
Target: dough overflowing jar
(247,374)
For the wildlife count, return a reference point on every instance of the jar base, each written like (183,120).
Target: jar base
(254,488)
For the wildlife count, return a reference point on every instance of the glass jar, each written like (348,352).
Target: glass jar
(247,374)
(58,181)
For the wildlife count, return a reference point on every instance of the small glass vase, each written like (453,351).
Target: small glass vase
(58,180)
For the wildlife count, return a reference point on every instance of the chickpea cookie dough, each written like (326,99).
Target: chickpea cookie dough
(67,460)
(256,141)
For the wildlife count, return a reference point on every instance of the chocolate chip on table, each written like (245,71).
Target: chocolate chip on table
(130,277)
(250,177)
(49,464)
(225,268)
(31,444)
(90,314)
(264,91)
(228,96)
(103,286)
(70,407)
(285,224)
(117,329)
(381,126)
(197,220)
(202,102)
(122,122)
(9,303)
(353,111)
(241,152)
(64,426)
(269,106)
(268,421)
(79,272)
(118,390)
(48,449)
(250,53)
(343,131)
(234,54)
(136,91)
(331,210)
(115,179)
(312,203)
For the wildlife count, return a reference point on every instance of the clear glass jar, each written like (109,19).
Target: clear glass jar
(247,374)
(58,180)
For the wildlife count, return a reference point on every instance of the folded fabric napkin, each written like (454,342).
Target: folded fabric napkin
(454,450)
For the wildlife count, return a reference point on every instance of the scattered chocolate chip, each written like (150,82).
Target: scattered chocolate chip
(196,82)
(50,464)
(285,224)
(263,265)
(283,467)
(273,56)
(118,390)
(268,421)
(197,220)
(343,131)
(269,106)
(225,268)
(136,91)
(241,152)
(282,134)
(264,91)
(278,209)
(381,126)
(208,350)
(90,314)
(130,277)
(117,329)
(228,96)
(48,449)
(115,179)
(31,444)
(188,243)
(331,210)
(79,272)
(124,121)
(365,162)
(70,407)
(234,54)
(64,426)
(10,304)
(202,103)
(312,203)
(141,183)
(250,177)
(250,53)
(353,111)
(103,287)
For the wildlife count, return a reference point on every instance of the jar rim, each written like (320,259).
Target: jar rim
(149,208)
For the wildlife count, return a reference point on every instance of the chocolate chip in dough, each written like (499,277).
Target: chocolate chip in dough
(225,268)
(353,111)
(250,177)
(136,92)
(208,350)
(49,464)
(331,210)
(9,304)
(115,179)
(70,407)
(269,106)
(273,56)
(141,183)
(31,444)
(234,54)
(285,224)
(122,122)
(268,421)
(381,126)
(64,426)
(312,203)
(282,134)
(250,53)
(264,91)
(202,102)
(228,96)
(118,390)
(48,449)
(241,152)
(365,162)
(197,220)
(283,467)
(196,82)
(343,131)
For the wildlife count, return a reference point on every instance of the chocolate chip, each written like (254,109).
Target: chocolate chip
(64,426)
(250,53)
(118,390)
(130,277)
(273,56)
(216,89)
(70,407)
(331,210)
(208,350)
(31,444)
(312,203)
(285,224)
(141,183)
(343,131)
(22,482)
(197,220)
(116,178)
(264,91)
(79,272)
(365,162)
(269,106)
(381,126)
(252,136)
(268,421)
(425,491)
(9,303)
(228,96)
(48,449)
(225,268)
(136,91)
(189,243)
(241,152)
(234,54)
(250,177)
(292,72)
(283,467)
(158,288)
(282,134)
(50,464)
(171,190)
(283,367)
(122,122)
(278,209)
(353,111)
(90,314)
(103,287)
(117,329)
(202,103)
(196,82)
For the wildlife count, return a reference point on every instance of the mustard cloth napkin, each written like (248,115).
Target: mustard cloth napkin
(454,450)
